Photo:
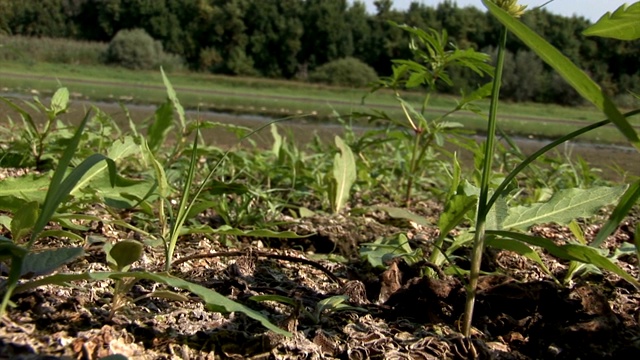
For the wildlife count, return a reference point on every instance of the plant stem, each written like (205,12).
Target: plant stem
(481,216)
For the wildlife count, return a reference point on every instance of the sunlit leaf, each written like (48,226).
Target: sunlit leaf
(622,24)
(627,201)
(577,78)
(124,253)
(23,221)
(563,207)
(171,94)
(60,101)
(344,174)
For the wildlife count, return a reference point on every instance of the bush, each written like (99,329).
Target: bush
(135,49)
(344,72)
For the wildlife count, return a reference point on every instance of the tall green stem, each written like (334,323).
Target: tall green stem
(483,209)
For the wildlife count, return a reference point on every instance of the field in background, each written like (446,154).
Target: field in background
(278,98)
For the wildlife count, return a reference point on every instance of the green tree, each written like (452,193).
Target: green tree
(326,33)
(275,30)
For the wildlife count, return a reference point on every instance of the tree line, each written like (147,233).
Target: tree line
(290,38)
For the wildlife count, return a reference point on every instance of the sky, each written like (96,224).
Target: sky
(590,9)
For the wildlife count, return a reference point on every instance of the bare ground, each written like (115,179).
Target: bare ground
(521,313)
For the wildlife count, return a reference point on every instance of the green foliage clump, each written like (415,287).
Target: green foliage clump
(135,49)
(53,50)
(345,72)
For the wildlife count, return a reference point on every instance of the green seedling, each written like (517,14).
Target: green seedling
(430,48)
(33,217)
(486,216)
(35,137)
(120,257)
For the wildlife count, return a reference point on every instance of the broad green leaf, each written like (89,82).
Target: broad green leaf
(305,212)
(400,213)
(627,201)
(572,252)
(5,221)
(123,253)
(636,240)
(228,230)
(622,24)
(171,94)
(60,101)
(120,149)
(577,78)
(47,261)
(160,125)
(124,194)
(519,248)
(213,300)
(497,214)
(16,191)
(381,250)
(563,207)
(344,174)
(454,211)
(23,221)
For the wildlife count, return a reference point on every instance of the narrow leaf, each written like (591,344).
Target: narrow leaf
(53,197)
(577,78)
(228,230)
(214,300)
(572,252)
(627,201)
(520,248)
(171,94)
(623,24)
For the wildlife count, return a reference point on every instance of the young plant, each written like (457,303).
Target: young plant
(33,217)
(434,59)
(35,137)
(566,205)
